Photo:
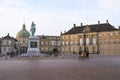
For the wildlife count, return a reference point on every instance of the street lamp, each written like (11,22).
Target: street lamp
(84,37)
(98,51)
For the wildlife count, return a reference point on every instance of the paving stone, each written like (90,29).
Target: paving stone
(98,67)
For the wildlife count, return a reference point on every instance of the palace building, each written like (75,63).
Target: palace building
(49,43)
(100,38)
(8,45)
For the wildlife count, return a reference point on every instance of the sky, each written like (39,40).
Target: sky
(53,16)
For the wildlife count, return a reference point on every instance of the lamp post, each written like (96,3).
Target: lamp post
(98,51)
(84,37)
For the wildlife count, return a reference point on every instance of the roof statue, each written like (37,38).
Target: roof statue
(32,29)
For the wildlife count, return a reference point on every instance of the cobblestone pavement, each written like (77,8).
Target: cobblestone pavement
(98,67)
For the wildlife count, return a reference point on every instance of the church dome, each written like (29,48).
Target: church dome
(23,33)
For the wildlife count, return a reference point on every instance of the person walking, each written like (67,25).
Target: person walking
(79,55)
(87,55)
(83,55)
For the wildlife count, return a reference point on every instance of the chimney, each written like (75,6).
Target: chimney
(81,24)
(64,31)
(98,22)
(74,25)
(107,21)
(61,32)
(8,34)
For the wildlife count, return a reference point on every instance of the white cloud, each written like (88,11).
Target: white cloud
(1,9)
(50,21)
(11,1)
(110,4)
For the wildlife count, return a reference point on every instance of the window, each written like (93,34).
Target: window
(63,43)
(81,41)
(42,43)
(111,41)
(9,49)
(116,33)
(3,43)
(75,42)
(71,42)
(53,42)
(111,34)
(23,41)
(9,42)
(66,37)
(87,41)
(46,43)
(99,34)
(46,49)
(66,42)
(94,41)
(58,43)
(42,48)
(4,49)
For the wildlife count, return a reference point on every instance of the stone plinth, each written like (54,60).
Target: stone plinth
(33,46)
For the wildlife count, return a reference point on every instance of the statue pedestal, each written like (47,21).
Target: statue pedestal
(33,46)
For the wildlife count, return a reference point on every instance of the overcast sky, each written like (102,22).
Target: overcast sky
(53,16)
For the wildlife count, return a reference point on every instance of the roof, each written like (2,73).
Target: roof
(8,37)
(93,28)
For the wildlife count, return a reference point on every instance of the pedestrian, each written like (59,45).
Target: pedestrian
(83,55)
(87,54)
(98,52)
(79,55)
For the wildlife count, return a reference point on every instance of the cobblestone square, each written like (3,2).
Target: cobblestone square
(98,67)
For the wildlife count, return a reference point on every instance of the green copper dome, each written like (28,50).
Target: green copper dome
(23,33)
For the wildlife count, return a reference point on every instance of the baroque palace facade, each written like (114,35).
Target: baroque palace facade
(100,38)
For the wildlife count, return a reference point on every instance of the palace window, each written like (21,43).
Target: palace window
(75,42)
(111,41)
(63,43)
(66,42)
(81,41)
(58,42)
(46,48)
(7,42)
(42,43)
(94,41)
(4,49)
(116,33)
(99,35)
(46,43)
(42,48)
(111,34)
(53,42)
(87,41)
(71,42)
